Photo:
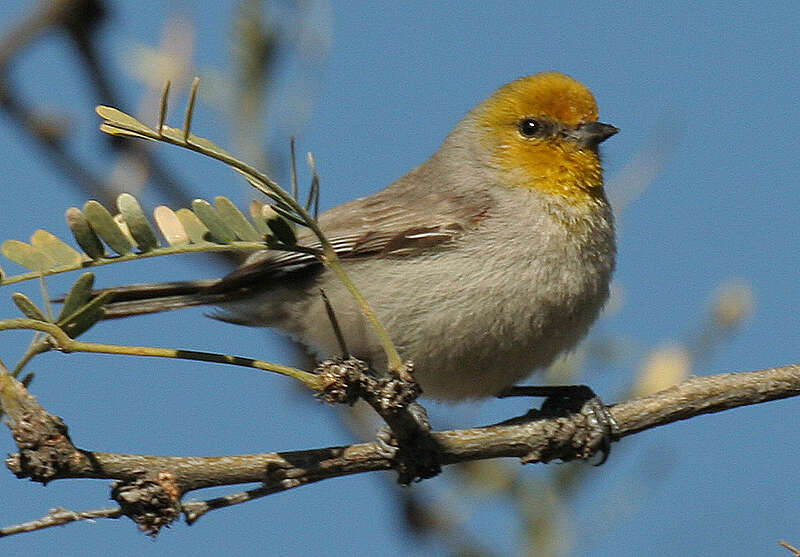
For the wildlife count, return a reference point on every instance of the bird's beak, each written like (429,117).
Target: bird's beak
(591,134)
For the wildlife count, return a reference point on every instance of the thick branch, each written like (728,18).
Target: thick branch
(532,437)
(706,395)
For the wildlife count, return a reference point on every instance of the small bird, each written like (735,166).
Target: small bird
(483,263)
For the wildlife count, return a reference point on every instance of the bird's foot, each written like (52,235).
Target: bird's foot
(562,400)
(415,456)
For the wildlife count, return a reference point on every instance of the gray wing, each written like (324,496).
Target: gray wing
(385,224)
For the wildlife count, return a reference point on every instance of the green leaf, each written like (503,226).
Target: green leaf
(235,220)
(113,130)
(83,234)
(197,231)
(27,255)
(284,212)
(62,254)
(123,226)
(86,316)
(174,134)
(119,123)
(79,294)
(283,231)
(170,225)
(104,226)
(27,307)
(256,207)
(312,204)
(259,184)
(137,222)
(210,148)
(206,213)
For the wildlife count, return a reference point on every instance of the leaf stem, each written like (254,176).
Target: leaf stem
(170,250)
(66,344)
(392,357)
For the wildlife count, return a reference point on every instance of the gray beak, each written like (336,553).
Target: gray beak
(591,134)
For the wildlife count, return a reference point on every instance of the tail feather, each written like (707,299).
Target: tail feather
(158,290)
(115,310)
(140,299)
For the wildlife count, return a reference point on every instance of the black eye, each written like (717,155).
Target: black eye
(531,127)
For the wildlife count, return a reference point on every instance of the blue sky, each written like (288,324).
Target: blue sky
(715,87)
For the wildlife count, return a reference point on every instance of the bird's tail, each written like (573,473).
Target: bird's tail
(140,299)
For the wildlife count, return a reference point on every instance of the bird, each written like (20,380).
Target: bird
(484,263)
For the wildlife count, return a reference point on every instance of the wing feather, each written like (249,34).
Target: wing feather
(384,224)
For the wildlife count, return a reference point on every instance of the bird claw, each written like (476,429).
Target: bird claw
(415,458)
(387,443)
(571,399)
(605,426)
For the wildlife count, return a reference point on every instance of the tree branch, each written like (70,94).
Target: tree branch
(706,395)
(534,437)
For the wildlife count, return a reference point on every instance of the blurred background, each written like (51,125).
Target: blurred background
(703,177)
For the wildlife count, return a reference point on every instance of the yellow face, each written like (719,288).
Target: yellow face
(531,128)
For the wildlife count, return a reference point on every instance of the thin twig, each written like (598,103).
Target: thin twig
(162,107)
(335,324)
(293,168)
(208,247)
(193,510)
(187,120)
(67,344)
(59,517)
(789,547)
(394,360)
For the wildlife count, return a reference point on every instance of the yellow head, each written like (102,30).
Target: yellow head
(542,132)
